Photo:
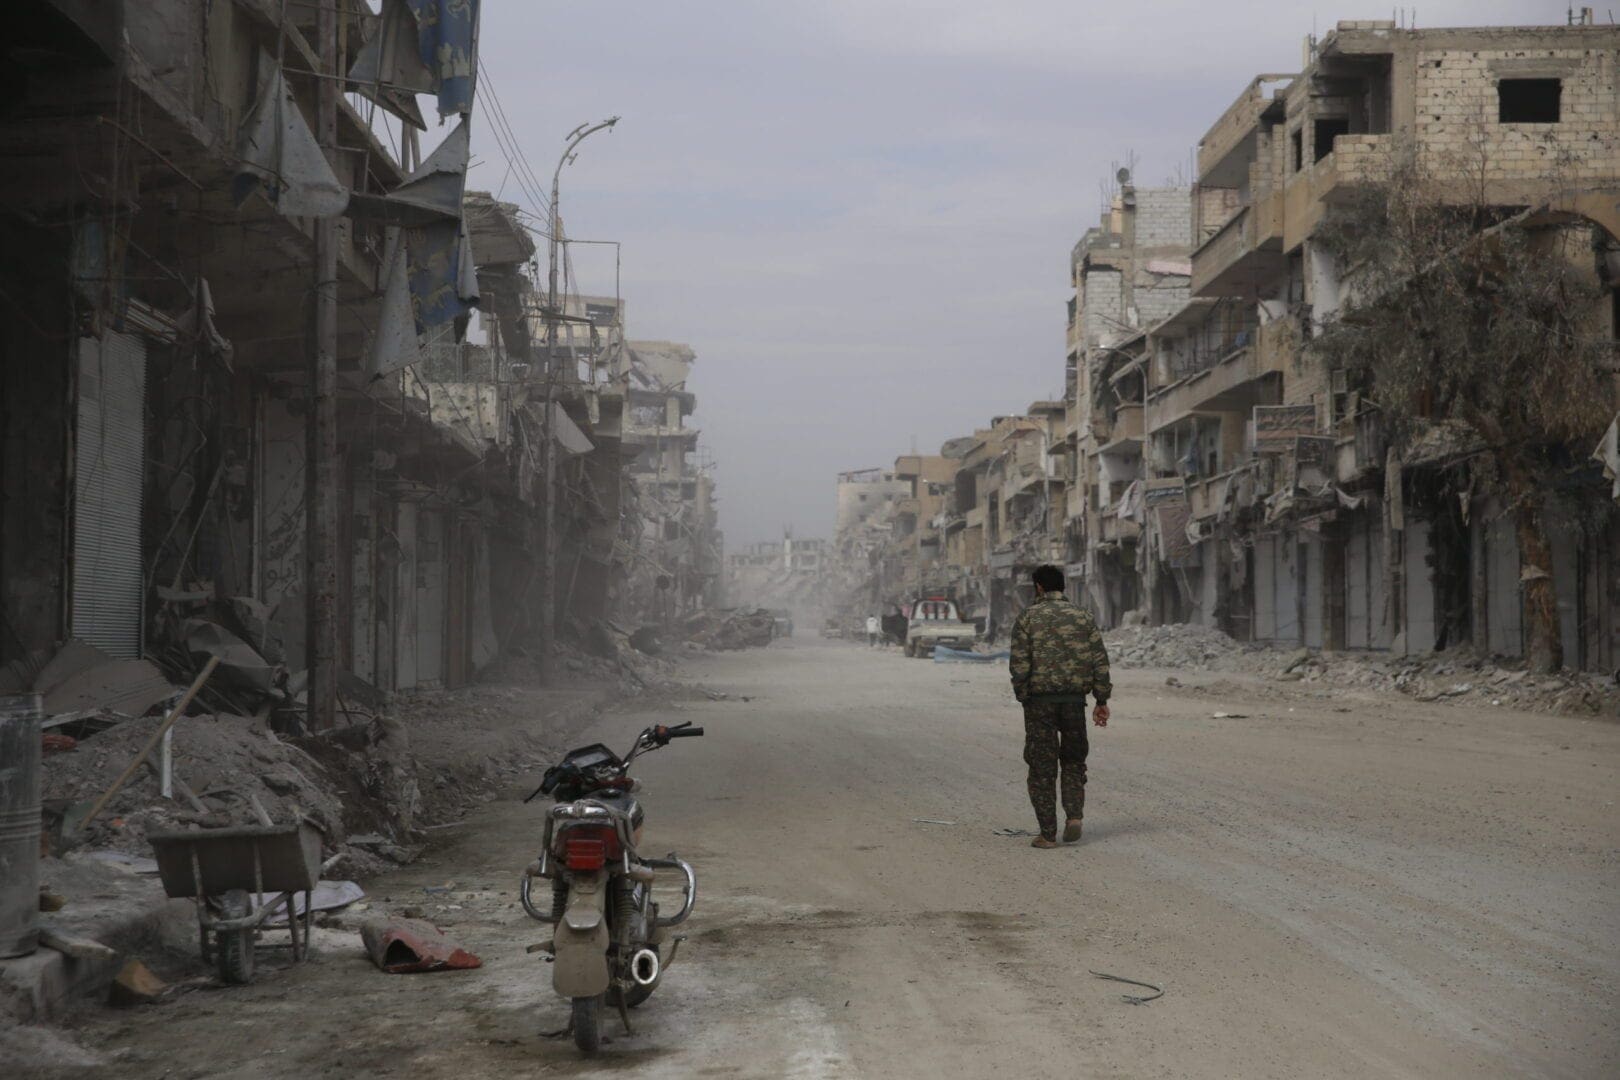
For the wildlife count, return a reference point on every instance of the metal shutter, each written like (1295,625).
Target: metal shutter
(108,464)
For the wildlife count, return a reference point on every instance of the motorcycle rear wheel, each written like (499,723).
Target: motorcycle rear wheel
(588,1024)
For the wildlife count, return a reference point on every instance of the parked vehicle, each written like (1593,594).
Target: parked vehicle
(832,628)
(610,945)
(784,621)
(935,621)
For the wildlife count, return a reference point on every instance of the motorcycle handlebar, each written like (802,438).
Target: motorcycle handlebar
(684,731)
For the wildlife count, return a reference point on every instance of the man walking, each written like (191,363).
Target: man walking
(1057,659)
(872,629)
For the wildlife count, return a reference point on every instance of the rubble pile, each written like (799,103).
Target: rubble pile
(1180,645)
(720,630)
(1459,678)
(225,761)
(1446,676)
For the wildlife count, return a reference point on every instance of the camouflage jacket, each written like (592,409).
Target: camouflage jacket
(1058,650)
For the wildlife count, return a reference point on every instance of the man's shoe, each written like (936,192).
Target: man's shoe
(1071,830)
(1043,843)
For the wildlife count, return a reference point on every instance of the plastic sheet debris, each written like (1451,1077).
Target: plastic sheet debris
(944,655)
(403,946)
(328,896)
(135,864)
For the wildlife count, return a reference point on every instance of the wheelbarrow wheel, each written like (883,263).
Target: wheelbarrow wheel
(235,947)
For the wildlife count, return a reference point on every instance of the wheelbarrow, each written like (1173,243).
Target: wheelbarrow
(227,870)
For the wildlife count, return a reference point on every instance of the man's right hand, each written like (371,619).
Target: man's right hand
(1099,716)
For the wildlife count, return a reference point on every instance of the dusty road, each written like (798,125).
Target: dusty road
(1327,886)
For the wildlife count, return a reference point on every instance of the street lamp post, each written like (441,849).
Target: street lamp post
(548,514)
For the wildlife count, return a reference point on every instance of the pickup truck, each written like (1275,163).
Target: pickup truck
(935,621)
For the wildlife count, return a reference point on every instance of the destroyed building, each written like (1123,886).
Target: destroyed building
(678,567)
(785,574)
(175,164)
(1211,464)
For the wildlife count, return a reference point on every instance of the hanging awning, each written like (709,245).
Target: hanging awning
(280,157)
(567,433)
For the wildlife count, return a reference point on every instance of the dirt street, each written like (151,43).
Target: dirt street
(1326,885)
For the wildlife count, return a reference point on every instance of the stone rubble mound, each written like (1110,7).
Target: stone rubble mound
(1177,645)
(1456,675)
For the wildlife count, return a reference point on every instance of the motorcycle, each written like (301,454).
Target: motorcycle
(609,943)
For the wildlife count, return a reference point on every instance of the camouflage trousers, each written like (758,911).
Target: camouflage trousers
(1054,743)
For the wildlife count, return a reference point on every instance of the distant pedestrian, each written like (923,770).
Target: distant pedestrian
(873,627)
(1057,659)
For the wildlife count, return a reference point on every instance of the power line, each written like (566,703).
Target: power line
(495,113)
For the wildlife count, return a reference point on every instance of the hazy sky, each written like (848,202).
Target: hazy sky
(859,212)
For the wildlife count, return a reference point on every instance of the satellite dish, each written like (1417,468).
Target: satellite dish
(1123,176)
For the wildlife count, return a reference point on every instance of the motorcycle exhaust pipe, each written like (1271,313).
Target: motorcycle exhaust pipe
(644,967)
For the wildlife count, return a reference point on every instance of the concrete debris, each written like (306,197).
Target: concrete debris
(1182,645)
(720,629)
(1436,677)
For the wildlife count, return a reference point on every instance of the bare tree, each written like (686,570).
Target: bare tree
(1487,319)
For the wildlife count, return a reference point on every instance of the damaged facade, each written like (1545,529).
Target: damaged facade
(155,389)
(1210,466)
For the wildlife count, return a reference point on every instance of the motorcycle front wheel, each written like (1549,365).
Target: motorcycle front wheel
(588,1023)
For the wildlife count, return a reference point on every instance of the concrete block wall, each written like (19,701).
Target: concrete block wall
(1102,304)
(1159,296)
(1163,217)
(1456,113)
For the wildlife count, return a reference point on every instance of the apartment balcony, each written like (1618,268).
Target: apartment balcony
(1245,254)
(1118,530)
(1233,134)
(1356,163)
(1249,374)
(1125,429)
(1206,495)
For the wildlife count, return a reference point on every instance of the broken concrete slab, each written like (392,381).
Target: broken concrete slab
(81,678)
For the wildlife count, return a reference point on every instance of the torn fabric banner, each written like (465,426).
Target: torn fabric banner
(389,68)
(280,157)
(438,259)
(447,37)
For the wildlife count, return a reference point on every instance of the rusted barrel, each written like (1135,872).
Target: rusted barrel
(19,824)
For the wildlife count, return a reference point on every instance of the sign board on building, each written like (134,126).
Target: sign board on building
(1276,427)
(1315,451)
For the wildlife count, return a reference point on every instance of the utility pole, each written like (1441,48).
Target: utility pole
(321,458)
(548,512)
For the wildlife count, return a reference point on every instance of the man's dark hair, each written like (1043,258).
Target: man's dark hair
(1049,578)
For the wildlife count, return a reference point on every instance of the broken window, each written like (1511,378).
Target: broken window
(1297,141)
(1326,130)
(1529,101)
